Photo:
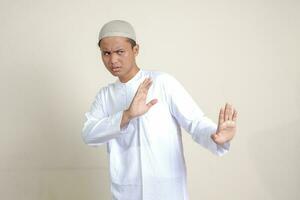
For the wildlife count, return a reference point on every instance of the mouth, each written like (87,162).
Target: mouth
(115,69)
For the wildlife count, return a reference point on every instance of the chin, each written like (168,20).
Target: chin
(115,73)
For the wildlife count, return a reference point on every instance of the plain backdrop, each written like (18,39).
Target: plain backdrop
(242,52)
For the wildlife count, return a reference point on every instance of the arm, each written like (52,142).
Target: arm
(125,119)
(191,117)
(99,128)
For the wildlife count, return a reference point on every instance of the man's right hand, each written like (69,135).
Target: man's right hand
(138,105)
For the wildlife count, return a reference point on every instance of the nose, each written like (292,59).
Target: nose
(113,58)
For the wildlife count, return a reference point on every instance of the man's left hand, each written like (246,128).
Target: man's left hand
(226,126)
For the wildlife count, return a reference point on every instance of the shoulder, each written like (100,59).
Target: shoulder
(102,92)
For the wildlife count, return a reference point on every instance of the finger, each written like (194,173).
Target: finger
(151,103)
(221,116)
(143,85)
(226,116)
(145,88)
(234,118)
(144,82)
(146,79)
(148,85)
(230,112)
(140,89)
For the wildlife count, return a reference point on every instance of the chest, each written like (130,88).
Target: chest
(120,98)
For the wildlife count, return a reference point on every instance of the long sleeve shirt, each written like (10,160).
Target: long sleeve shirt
(146,160)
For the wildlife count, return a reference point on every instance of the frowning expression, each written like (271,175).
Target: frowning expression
(118,55)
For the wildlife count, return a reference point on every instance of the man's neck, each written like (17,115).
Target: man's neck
(130,75)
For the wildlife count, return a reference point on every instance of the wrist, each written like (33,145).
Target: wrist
(127,115)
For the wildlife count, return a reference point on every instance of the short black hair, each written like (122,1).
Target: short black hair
(131,41)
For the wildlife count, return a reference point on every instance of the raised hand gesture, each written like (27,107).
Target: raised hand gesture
(138,105)
(226,126)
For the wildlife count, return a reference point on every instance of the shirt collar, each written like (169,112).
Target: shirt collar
(131,81)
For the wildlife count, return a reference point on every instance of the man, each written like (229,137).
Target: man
(139,117)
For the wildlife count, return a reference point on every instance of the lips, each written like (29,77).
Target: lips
(116,69)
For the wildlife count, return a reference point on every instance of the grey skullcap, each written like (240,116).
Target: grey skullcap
(117,28)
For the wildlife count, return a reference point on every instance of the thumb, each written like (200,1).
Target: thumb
(151,103)
(214,136)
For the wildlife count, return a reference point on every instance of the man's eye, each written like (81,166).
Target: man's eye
(120,52)
(106,53)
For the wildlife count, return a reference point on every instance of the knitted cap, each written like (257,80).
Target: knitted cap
(117,28)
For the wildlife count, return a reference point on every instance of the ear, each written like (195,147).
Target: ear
(136,49)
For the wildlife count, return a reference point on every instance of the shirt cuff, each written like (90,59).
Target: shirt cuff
(218,149)
(222,149)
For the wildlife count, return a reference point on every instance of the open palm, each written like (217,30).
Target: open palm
(138,105)
(226,125)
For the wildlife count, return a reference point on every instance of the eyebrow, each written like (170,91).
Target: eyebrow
(119,49)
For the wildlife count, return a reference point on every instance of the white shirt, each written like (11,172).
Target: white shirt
(146,156)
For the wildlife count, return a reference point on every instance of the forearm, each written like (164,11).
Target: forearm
(97,131)
(125,118)
(202,134)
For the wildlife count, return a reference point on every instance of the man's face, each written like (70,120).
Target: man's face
(118,56)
